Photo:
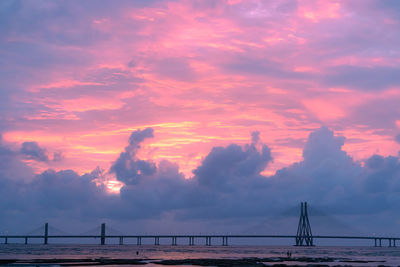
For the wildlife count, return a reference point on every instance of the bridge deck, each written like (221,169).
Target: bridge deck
(201,236)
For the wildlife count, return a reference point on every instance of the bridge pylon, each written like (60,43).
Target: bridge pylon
(103,234)
(46,233)
(304,235)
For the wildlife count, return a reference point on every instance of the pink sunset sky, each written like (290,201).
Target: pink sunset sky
(79,77)
(218,103)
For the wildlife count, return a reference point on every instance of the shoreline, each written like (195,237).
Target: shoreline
(253,261)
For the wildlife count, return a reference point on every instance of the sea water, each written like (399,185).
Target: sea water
(371,256)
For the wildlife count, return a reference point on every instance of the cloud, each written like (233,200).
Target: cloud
(66,190)
(58,76)
(167,190)
(175,68)
(322,145)
(139,136)
(225,166)
(371,113)
(227,185)
(263,67)
(391,6)
(363,78)
(382,174)
(397,138)
(58,156)
(219,188)
(255,137)
(33,151)
(11,167)
(326,175)
(127,168)
(215,65)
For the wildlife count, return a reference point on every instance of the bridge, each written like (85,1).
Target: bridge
(304,236)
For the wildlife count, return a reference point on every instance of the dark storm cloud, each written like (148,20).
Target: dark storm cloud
(33,151)
(363,78)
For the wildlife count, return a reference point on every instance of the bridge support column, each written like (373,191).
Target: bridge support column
(304,235)
(121,240)
(156,240)
(46,233)
(6,240)
(375,242)
(394,242)
(208,240)
(174,241)
(390,242)
(103,234)
(380,242)
(224,240)
(26,240)
(191,240)
(139,241)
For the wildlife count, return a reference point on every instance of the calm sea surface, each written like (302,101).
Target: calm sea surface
(379,255)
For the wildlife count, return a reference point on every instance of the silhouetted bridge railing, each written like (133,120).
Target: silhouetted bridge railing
(304,236)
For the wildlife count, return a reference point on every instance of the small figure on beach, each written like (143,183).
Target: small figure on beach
(137,252)
(289,254)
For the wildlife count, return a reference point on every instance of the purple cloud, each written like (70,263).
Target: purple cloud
(397,138)
(127,167)
(228,185)
(33,151)
(363,78)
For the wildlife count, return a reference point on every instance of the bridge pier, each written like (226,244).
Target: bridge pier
(46,233)
(103,234)
(121,240)
(191,240)
(174,241)
(390,242)
(156,241)
(26,240)
(375,242)
(208,240)
(6,240)
(380,242)
(224,240)
(394,242)
(139,241)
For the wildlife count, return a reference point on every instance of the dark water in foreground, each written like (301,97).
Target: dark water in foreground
(373,255)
